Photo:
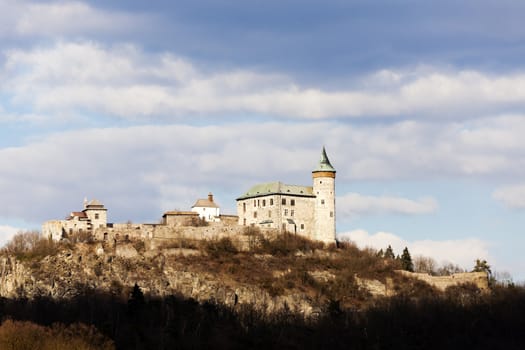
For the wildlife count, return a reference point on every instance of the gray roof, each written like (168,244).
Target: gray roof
(324,164)
(272,188)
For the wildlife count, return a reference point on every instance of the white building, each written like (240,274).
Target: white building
(207,209)
(305,210)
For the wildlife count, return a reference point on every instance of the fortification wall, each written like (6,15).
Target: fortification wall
(157,235)
(479,279)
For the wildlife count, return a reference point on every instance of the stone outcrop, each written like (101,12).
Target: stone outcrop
(117,269)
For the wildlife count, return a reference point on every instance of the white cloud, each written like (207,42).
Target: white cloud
(124,81)
(171,164)
(355,204)
(61,18)
(512,196)
(6,233)
(463,252)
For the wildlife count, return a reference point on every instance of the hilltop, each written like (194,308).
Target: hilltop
(283,291)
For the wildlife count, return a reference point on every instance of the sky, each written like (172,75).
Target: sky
(148,106)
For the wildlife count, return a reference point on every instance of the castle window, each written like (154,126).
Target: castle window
(322,201)
(269,213)
(292,201)
(285,212)
(302,226)
(271,201)
(254,214)
(284,201)
(291,212)
(264,202)
(331,214)
(96,216)
(244,207)
(258,203)
(254,203)
(320,182)
(244,222)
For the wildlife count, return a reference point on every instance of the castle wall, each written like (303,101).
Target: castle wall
(480,279)
(53,229)
(180,219)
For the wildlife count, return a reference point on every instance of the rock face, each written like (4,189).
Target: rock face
(116,270)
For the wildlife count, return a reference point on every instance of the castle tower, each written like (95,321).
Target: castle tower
(324,209)
(96,213)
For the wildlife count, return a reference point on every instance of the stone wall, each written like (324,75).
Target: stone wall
(479,279)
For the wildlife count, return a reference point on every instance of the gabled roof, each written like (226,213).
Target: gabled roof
(324,163)
(205,203)
(78,214)
(272,188)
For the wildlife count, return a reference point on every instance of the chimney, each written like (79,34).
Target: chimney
(210,197)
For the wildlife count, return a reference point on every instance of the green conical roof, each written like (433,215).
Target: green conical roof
(324,163)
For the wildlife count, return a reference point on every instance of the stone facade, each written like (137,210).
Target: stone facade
(93,216)
(305,210)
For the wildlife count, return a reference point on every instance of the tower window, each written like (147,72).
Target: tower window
(96,216)
(322,201)
(291,212)
(292,201)
(320,182)
(254,203)
(285,212)
(331,214)
(271,201)
(284,201)
(244,207)
(302,226)
(264,202)
(254,214)
(269,213)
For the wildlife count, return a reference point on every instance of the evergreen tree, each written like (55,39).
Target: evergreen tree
(381,253)
(389,253)
(482,266)
(406,261)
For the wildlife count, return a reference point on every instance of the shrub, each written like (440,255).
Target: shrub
(30,245)
(288,243)
(198,221)
(223,246)
(26,335)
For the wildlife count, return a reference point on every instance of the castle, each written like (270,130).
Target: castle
(305,210)
(92,217)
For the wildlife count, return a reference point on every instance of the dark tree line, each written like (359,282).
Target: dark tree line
(462,318)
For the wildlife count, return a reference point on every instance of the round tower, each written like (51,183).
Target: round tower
(324,209)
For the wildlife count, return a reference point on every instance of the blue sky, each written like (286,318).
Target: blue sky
(148,107)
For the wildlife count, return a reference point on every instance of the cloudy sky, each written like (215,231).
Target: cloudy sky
(148,106)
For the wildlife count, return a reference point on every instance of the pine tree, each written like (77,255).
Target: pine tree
(380,253)
(406,261)
(389,253)
(482,266)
